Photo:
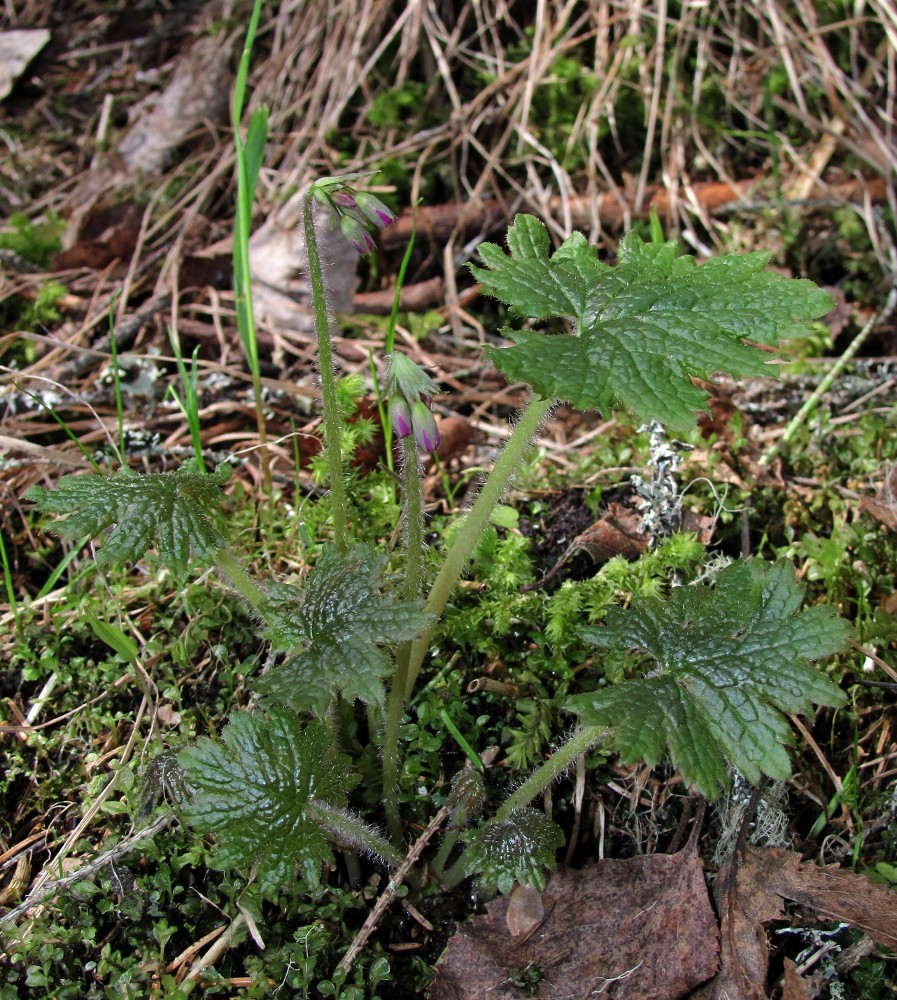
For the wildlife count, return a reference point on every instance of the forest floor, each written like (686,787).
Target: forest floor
(771,129)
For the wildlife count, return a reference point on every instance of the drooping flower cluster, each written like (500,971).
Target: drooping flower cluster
(358,212)
(410,391)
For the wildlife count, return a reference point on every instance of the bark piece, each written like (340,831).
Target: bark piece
(17,49)
(196,93)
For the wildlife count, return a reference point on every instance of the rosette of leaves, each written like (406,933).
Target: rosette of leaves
(519,849)
(177,513)
(643,328)
(726,664)
(331,629)
(273,794)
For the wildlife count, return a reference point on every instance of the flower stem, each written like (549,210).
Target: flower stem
(475,523)
(332,422)
(537,782)
(413,516)
(394,710)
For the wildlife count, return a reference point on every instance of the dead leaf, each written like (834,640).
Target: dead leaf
(167,714)
(700,525)
(642,928)
(281,293)
(754,898)
(883,506)
(455,434)
(105,233)
(615,534)
(796,987)
(889,603)
(833,893)
(744,903)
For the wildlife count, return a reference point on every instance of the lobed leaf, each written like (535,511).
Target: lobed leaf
(177,513)
(331,628)
(258,790)
(644,328)
(519,849)
(728,663)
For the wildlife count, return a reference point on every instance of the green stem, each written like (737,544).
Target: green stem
(581,741)
(414,536)
(414,518)
(394,711)
(475,523)
(348,831)
(233,569)
(332,422)
(459,821)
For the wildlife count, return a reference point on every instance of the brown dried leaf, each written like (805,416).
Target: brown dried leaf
(796,987)
(195,94)
(883,506)
(615,534)
(744,903)
(754,898)
(833,893)
(455,434)
(642,927)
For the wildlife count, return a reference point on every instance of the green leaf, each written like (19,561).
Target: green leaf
(174,512)
(642,328)
(331,628)
(518,849)
(726,663)
(257,790)
(113,636)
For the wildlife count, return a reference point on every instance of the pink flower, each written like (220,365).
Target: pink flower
(374,210)
(400,412)
(426,433)
(357,235)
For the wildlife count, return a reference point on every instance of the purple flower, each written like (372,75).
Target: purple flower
(374,210)
(357,235)
(400,413)
(426,433)
(344,199)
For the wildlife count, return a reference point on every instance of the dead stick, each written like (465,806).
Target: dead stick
(389,892)
(49,889)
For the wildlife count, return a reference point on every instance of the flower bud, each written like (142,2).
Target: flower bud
(374,210)
(423,423)
(344,199)
(400,414)
(356,234)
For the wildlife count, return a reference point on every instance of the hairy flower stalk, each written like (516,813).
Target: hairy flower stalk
(414,425)
(356,212)
(474,524)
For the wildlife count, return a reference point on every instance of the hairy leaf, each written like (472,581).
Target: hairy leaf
(518,849)
(176,513)
(331,628)
(727,662)
(258,789)
(642,328)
